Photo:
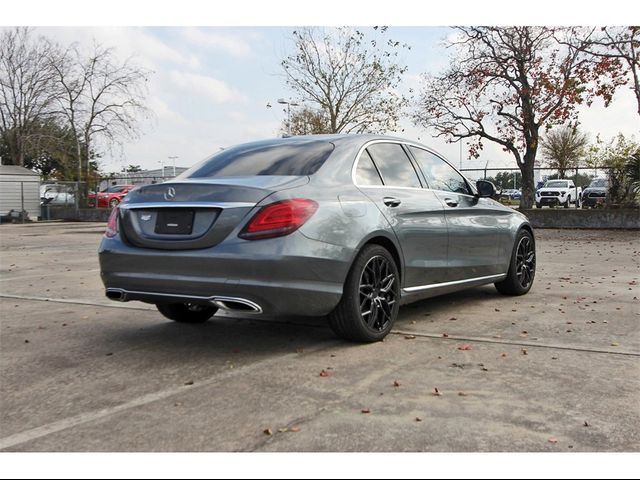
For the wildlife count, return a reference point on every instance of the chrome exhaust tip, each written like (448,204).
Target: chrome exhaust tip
(116,294)
(233,304)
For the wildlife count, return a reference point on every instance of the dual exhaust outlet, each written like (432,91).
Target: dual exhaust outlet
(231,304)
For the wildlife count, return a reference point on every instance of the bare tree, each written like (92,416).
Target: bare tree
(563,148)
(27,89)
(506,83)
(101,99)
(308,121)
(352,80)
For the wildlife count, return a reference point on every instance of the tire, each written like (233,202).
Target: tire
(538,205)
(523,260)
(113,202)
(371,299)
(566,205)
(186,312)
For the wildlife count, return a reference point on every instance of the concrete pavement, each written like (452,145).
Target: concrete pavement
(555,370)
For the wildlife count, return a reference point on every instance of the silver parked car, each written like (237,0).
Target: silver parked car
(348,226)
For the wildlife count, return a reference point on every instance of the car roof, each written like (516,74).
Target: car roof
(336,138)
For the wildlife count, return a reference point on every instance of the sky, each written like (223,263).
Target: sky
(210,88)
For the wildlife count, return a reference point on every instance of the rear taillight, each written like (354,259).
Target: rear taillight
(112,224)
(279,219)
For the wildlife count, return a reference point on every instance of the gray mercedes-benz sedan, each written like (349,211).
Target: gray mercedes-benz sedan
(348,226)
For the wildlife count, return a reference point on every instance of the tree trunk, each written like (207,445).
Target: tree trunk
(528,185)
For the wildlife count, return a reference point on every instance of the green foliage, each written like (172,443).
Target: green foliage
(618,156)
(564,148)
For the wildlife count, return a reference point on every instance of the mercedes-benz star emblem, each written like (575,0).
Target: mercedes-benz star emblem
(170,194)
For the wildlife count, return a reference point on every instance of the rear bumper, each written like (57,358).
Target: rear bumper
(308,280)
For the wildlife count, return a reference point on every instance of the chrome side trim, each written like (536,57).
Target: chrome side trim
(406,144)
(488,279)
(134,206)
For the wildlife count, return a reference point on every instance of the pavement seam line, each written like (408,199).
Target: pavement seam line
(72,301)
(393,332)
(515,343)
(83,418)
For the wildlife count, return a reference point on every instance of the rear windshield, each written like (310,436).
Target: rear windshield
(598,182)
(298,159)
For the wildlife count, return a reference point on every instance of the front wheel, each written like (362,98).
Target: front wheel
(370,302)
(566,205)
(186,312)
(522,268)
(113,202)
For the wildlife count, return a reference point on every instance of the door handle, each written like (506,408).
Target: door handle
(451,202)
(391,201)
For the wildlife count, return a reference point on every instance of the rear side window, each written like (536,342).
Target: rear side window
(366,173)
(440,175)
(394,165)
(295,158)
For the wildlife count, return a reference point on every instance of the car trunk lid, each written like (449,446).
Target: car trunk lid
(194,213)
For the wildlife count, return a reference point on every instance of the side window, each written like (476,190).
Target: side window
(440,175)
(394,165)
(366,173)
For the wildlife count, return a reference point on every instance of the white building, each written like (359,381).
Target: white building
(19,190)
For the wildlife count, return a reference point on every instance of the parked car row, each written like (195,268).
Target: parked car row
(60,194)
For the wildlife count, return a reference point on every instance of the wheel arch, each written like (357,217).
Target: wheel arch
(384,240)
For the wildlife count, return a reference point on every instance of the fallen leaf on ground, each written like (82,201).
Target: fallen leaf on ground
(464,347)
(267,431)
(553,440)
(396,383)
(436,392)
(282,430)
(503,355)
(418,419)
(615,344)
(189,382)
(445,335)
(409,337)
(524,351)
(324,373)
(294,429)
(586,424)
(365,410)
(462,394)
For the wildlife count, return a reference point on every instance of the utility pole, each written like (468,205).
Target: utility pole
(173,158)
(289,104)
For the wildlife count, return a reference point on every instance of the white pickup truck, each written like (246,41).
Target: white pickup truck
(559,193)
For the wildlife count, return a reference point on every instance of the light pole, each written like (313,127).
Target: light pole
(161,162)
(289,104)
(173,158)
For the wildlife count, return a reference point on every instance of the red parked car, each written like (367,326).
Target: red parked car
(111,196)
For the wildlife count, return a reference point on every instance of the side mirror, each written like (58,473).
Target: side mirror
(485,188)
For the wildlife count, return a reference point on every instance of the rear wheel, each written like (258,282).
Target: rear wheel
(522,268)
(370,302)
(186,312)
(538,205)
